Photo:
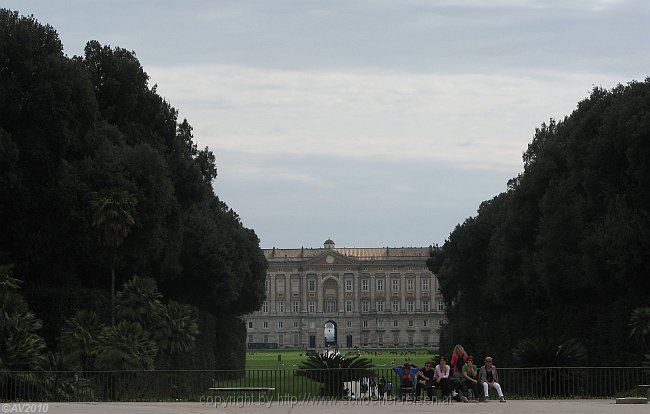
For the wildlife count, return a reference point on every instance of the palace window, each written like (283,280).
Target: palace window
(380,285)
(364,285)
(349,324)
(364,306)
(280,307)
(396,306)
(331,305)
(410,284)
(295,306)
(425,305)
(250,325)
(311,307)
(348,306)
(279,285)
(280,339)
(295,324)
(312,285)
(425,284)
(280,325)
(395,323)
(265,307)
(441,306)
(395,285)
(265,324)
(410,306)
(364,323)
(348,285)
(380,306)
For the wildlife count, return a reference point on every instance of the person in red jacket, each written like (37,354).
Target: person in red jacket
(458,360)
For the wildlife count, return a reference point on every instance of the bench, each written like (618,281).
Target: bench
(406,391)
(264,390)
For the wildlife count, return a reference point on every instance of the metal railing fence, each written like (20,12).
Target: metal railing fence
(193,385)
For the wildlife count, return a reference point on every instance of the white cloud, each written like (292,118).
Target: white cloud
(470,120)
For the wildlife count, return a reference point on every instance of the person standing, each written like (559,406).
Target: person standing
(381,387)
(489,378)
(458,359)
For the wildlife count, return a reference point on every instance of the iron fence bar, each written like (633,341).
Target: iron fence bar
(553,382)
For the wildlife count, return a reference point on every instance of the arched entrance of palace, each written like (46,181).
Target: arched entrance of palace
(330,334)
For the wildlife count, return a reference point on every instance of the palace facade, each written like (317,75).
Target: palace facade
(348,297)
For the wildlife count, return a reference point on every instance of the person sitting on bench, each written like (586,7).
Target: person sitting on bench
(442,379)
(406,374)
(425,381)
(489,378)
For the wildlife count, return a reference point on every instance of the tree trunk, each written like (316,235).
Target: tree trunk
(113,296)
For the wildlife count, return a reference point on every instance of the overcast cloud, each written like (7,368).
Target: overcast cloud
(371,122)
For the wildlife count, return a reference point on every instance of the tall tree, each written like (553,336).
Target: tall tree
(113,216)
(566,249)
(74,132)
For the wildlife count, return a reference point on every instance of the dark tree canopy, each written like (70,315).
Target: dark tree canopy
(565,252)
(71,128)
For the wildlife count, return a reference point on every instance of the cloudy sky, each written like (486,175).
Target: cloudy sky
(375,123)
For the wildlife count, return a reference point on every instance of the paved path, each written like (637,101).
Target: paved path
(514,407)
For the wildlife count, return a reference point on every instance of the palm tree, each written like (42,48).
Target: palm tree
(176,329)
(549,352)
(7,282)
(139,301)
(21,348)
(113,216)
(125,346)
(79,336)
(333,370)
(544,352)
(640,324)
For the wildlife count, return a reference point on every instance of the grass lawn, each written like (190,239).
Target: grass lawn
(381,358)
(264,370)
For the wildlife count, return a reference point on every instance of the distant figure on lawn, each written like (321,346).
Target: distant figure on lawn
(489,378)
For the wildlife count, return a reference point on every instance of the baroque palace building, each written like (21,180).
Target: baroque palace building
(348,297)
